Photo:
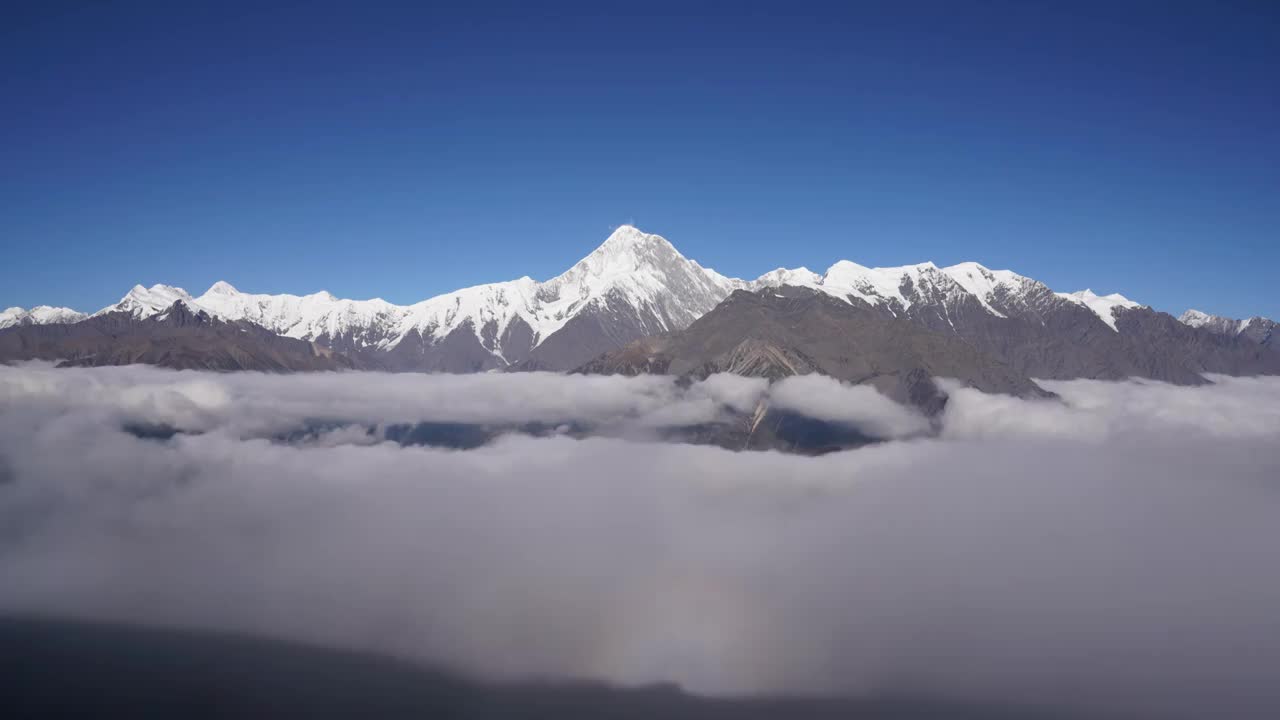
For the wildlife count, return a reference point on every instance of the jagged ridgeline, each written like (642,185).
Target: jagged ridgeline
(636,304)
(179,337)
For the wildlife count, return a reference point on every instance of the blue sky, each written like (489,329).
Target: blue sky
(410,149)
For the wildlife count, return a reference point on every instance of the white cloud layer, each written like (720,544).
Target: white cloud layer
(826,398)
(1114,551)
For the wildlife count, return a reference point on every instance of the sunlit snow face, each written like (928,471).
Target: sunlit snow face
(643,269)
(1114,550)
(639,270)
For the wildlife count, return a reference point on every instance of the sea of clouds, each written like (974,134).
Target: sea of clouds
(1114,550)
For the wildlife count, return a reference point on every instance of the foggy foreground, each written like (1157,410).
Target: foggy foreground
(1107,555)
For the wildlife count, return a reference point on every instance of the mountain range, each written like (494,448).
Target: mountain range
(636,304)
(178,337)
(1257,329)
(789,330)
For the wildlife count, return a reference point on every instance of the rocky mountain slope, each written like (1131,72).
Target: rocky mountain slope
(1255,329)
(1034,330)
(179,338)
(776,332)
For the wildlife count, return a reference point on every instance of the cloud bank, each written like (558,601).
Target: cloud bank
(1113,552)
(262,405)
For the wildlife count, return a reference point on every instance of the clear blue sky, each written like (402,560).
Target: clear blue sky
(410,149)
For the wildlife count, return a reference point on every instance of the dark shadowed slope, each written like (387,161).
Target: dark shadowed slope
(778,332)
(1044,334)
(68,669)
(1255,329)
(178,338)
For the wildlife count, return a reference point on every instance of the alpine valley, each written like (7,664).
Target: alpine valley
(636,305)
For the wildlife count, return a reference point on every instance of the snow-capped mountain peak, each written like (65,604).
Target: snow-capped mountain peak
(898,288)
(628,236)
(143,302)
(633,284)
(1216,323)
(222,287)
(941,292)
(631,268)
(493,306)
(1104,306)
(39,315)
(316,316)
(1195,318)
(1261,330)
(642,264)
(801,277)
(874,285)
(987,285)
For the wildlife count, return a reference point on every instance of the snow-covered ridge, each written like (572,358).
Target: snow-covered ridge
(143,302)
(945,288)
(1216,323)
(318,315)
(1196,319)
(900,287)
(636,268)
(1103,306)
(1255,326)
(631,269)
(39,315)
